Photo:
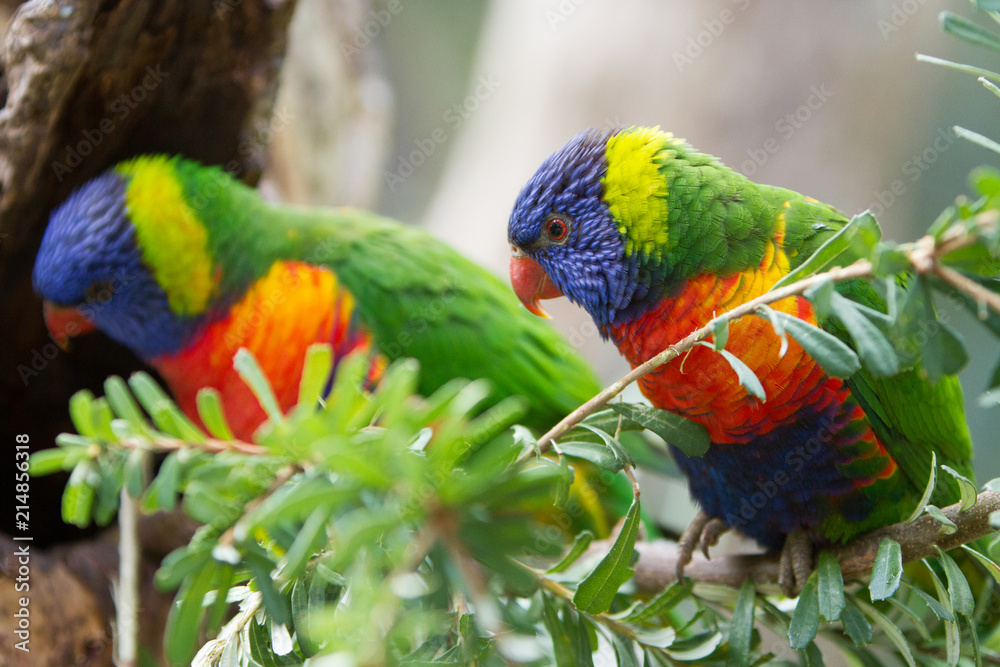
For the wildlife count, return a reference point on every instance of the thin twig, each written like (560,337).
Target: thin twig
(860,269)
(127,588)
(963,283)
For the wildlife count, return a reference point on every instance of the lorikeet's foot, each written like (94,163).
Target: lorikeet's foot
(703,531)
(796,563)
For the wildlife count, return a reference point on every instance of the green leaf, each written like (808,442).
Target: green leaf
(583,650)
(988,5)
(978,139)
(944,352)
(741,627)
(833,355)
(720,333)
(831,587)
(959,592)
(887,570)
(965,29)
(253,376)
(598,454)
(805,619)
(965,485)
(777,323)
(315,373)
(48,461)
(890,630)
(659,638)
(684,434)
(165,413)
(969,69)
(671,596)
(856,626)
(939,609)
(184,620)
(948,526)
(598,589)
(580,545)
(209,402)
(991,567)
(624,650)
(78,498)
(928,490)
(81,412)
(874,348)
(695,648)
(819,295)
(746,377)
(117,393)
(840,249)
(561,649)
(308,540)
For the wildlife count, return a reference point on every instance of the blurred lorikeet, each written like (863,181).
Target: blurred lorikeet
(185,265)
(654,239)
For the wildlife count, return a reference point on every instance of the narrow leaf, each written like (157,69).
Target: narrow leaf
(209,402)
(978,139)
(890,630)
(580,545)
(665,601)
(805,619)
(873,347)
(932,603)
(856,626)
(315,374)
(720,333)
(831,587)
(887,570)
(252,374)
(965,29)
(777,324)
(928,490)
(991,567)
(959,591)
(948,526)
(746,377)
(596,592)
(965,485)
(832,354)
(684,434)
(741,627)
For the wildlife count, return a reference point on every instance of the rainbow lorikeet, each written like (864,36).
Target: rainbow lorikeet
(185,265)
(654,239)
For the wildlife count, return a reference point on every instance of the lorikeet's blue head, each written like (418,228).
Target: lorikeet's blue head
(577,229)
(92,269)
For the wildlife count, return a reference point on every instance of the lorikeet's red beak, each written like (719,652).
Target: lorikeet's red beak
(530,282)
(63,323)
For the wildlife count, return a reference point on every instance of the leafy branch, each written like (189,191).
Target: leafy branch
(923,257)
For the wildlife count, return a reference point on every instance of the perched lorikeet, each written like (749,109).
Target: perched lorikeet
(185,265)
(654,239)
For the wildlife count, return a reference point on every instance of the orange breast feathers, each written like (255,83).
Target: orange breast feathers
(700,384)
(292,307)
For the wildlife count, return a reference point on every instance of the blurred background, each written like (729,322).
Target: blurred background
(436,113)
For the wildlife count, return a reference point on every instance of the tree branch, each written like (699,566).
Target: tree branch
(657,564)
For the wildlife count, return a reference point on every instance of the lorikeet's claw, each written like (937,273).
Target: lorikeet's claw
(704,531)
(711,533)
(796,563)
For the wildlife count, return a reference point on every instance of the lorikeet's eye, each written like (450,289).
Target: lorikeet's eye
(557,228)
(100,291)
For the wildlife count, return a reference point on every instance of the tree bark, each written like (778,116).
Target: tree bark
(85,84)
